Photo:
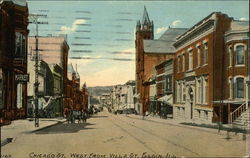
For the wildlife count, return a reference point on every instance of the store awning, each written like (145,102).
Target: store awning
(166,99)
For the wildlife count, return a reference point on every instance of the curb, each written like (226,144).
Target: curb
(203,129)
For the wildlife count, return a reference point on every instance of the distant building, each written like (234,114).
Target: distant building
(122,96)
(75,98)
(149,53)
(52,50)
(13,59)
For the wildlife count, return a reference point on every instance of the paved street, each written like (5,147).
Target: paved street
(105,133)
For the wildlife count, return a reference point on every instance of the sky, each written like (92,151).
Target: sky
(101,34)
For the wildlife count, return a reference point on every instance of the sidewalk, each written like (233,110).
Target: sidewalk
(174,122)
(18,128)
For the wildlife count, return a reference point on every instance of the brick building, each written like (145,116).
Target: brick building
(13,59)
(149,53)
(200,73)
(75,98)
(237,69)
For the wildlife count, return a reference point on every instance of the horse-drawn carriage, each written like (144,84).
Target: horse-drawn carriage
(74,115)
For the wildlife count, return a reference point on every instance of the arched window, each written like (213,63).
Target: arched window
(239,55)
(239,87)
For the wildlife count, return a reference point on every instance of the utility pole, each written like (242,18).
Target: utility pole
(34,19)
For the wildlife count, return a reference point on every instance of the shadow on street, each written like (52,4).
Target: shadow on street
(64,128)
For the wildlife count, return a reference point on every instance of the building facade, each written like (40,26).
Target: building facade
(13,59)
(237,69)
(122,97)
(199,71)
(45,87)
(164,88)
(52,50)
(76,98)
(149,53)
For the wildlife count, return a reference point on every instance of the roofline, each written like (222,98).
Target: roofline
(200,22)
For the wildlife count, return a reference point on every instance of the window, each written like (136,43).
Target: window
(230,88)
(205,53)
(198,93)
(205,91)
(230,52)
(239,87)
(198,56)
(190,62)
(168,83)
(20,47)
(183,62)
(178,64)
(183,92)
(178,99)
(239,55)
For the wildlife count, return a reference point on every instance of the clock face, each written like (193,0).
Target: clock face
(145,26)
